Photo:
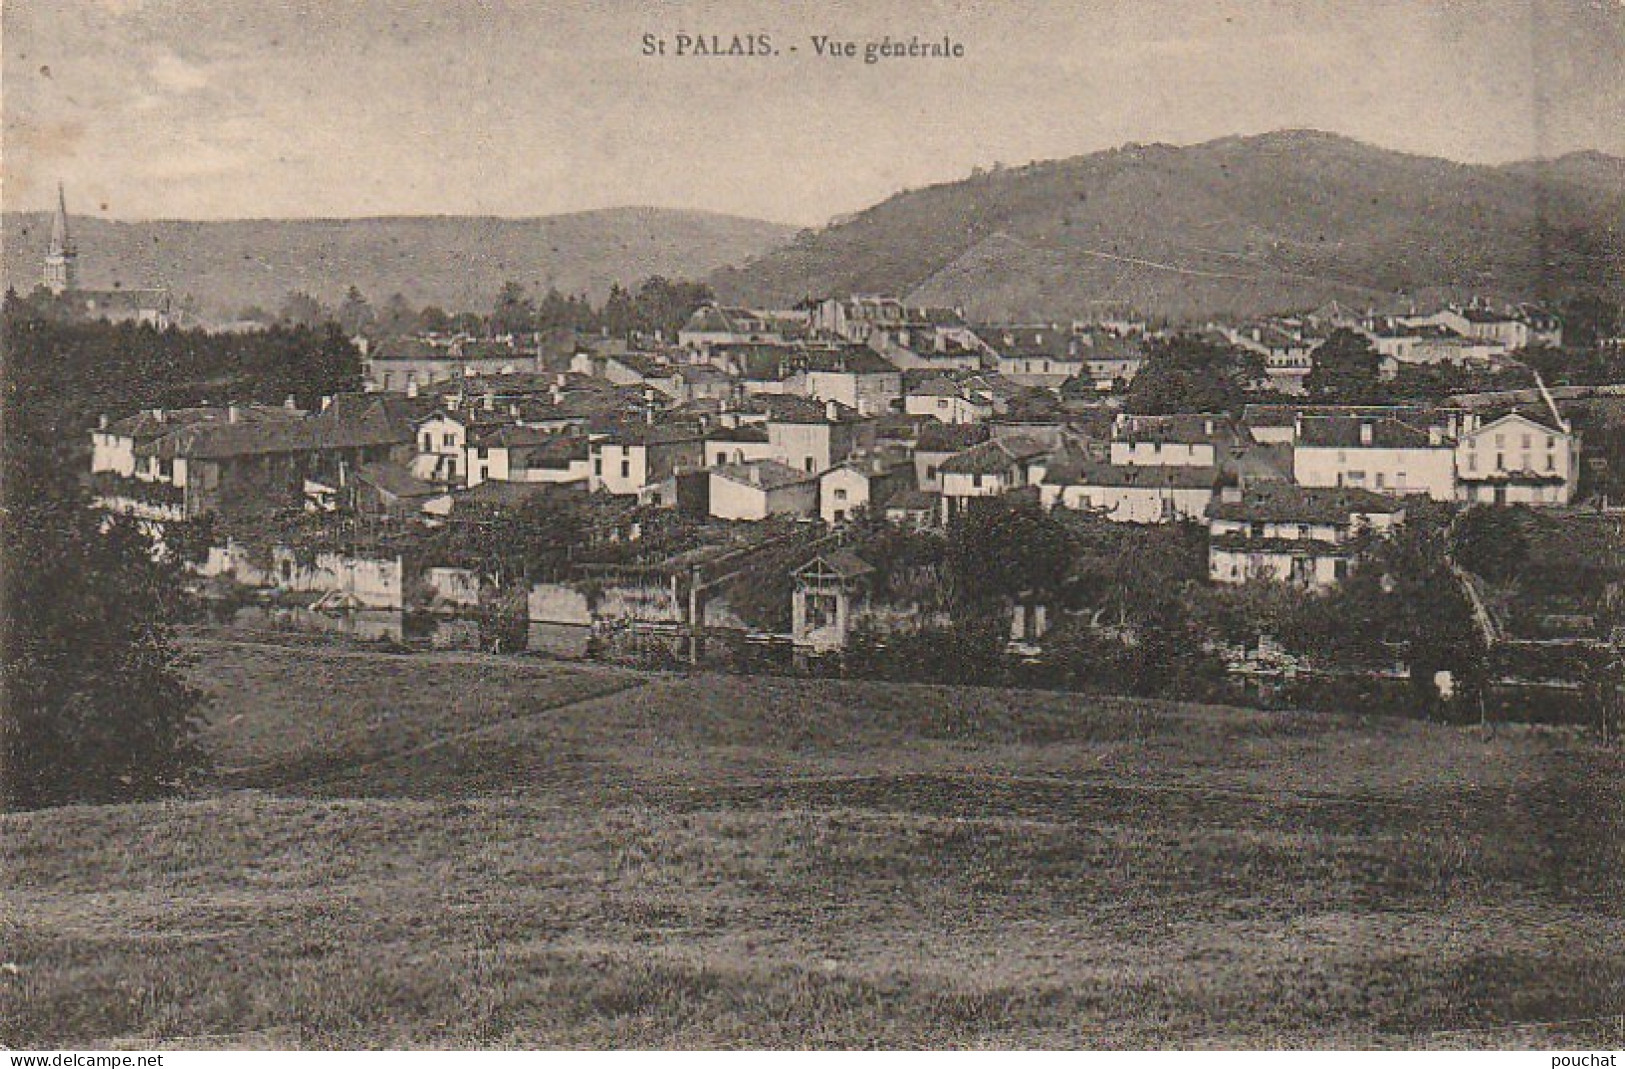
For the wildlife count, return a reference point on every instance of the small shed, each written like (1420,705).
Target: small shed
(830,590)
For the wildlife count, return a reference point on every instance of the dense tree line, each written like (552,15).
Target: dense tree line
(658,305)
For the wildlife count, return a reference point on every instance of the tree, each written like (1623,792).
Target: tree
(1345,369)
(1188,373)
(1403,598)
(300,309)
(618,316)
(514,311)
(1000,548)
(434,320)
(398,317)
(94,707)
(355,314)
(1490,542)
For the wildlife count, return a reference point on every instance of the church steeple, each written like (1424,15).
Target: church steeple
(61,259)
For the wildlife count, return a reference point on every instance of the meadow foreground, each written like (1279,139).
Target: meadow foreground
(407,852)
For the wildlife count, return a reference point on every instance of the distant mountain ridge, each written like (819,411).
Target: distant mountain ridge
(457,262)
(1241,225)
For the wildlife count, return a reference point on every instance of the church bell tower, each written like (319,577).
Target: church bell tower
(61,260)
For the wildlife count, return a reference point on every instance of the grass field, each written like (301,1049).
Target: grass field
(465,852)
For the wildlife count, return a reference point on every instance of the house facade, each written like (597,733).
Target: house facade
(1307,537)
(1380,454)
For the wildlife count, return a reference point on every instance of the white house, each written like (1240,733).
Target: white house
(1196,440)
(861,482)
(1128,493)
(814,436)
(995,467)
(938,442)
(946,401)
(527,455)
(737,445)
(1527,456)
(761,488)
(1043,356)
(856,376)
(1304,536)
(1381,454)
(626,460)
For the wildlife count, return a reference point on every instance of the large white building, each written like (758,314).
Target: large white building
(1380,454)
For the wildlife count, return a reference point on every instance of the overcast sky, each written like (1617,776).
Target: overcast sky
(256,108)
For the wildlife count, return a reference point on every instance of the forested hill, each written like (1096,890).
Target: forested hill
(1243,225)
(456,262)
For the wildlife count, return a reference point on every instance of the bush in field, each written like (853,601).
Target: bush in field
(1490,542)
(95,709)
(970,651)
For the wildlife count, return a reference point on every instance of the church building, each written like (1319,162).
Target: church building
(117,305)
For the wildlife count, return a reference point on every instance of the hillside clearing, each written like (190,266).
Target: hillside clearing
(581,857)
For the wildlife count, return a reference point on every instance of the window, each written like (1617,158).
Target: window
(930,471)
(626,469)
(1379,480)
(942,402)
(1500,441)
(485,472)
(1500,462)
(809,464)
(1472,461)
(1526,441)
(428,441)
(722,458)
(1551,461)
(598,466)
(1551,441)
(1303,530)
(840,495)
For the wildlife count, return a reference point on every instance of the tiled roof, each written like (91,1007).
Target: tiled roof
(784,408)
(395,480)
(1184,428)
(1070,468)
(911,500)
(763,474)
(147,424)
(843,562)
(1347,432)
(1282,503)
(993,457)
(744,433)
(950,437)
(557,452)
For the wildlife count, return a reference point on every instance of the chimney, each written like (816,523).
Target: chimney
(232,414)
(1207,427)
(327,402)
(832,411)
(290,404)
(754,474)
(412,388)
(556,394)
(1434,436)
(490,400)
(101,421)
(1365,432)
(158,414)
